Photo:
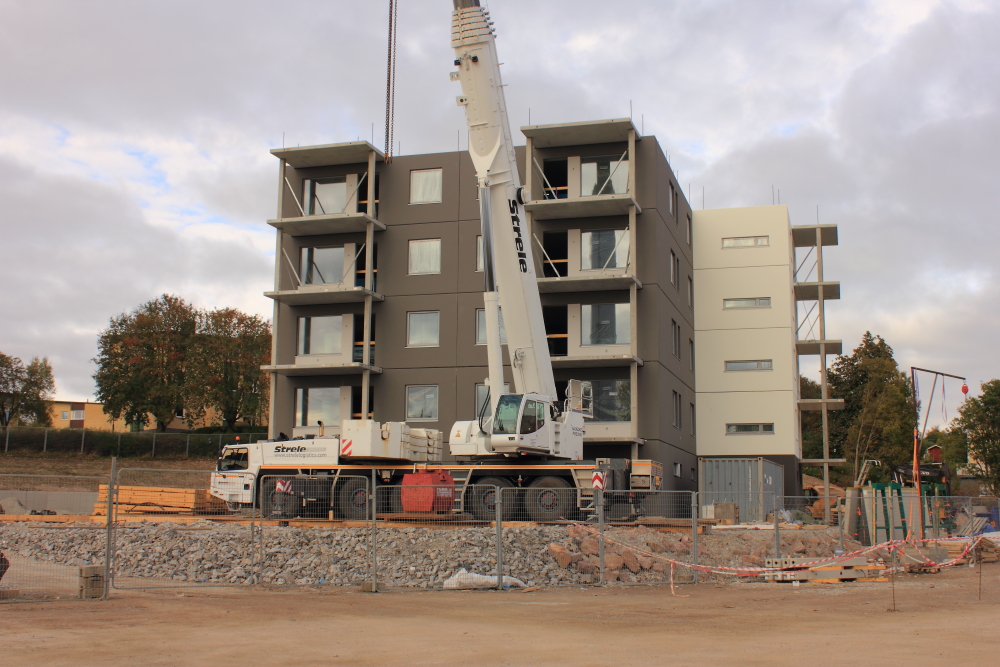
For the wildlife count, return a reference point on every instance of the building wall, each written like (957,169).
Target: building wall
(744,334)
(94,418)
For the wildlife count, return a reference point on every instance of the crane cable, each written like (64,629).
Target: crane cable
(390,81)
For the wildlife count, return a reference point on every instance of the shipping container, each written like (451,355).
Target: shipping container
(755,484)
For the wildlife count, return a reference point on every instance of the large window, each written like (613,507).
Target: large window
(483,393)
(423,329)
(746,242)
(754,365)
(481,327)
(425,186)
(612,400)
(324,196)
(603,175)
(604,324)
(319,265)
(317,404)
(749,429)
(320,335)
(424,257)
(422,402)
(759,302)
(604,248)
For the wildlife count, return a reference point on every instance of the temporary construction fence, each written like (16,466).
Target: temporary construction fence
(143,528)
(40,440)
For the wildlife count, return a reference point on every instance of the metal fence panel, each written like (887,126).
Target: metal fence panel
(28,439)
(50,546)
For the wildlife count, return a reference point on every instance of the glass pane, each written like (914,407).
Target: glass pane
(505,420)
(739,303)
(765,302)
(326,196)
(483,392)
(595,173)
(746,242)
(425,186)
(604,248)
(317,404)
(320,335)
(744,428)
(529,420)
(321,265)
(605,324)
(612,400)
(481,328)
(421,402)
(425,256)
(422,330)
(479,253)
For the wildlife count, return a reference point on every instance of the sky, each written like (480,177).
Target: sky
(135,138)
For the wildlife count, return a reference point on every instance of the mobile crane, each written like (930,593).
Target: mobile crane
(526,438)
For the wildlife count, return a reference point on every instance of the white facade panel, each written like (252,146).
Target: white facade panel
(717,347)
(716,410)
(713,287)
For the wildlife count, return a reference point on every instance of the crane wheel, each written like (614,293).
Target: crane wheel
(481,499)
(353,497)
(550,499)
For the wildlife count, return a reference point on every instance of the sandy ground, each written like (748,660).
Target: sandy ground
(939,622)
(90,465)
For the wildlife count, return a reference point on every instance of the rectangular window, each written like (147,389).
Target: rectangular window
(320,335)
(605,324)
(481,328)
(425,186)
(315,404)
(483,392)
(78,414)
(422,403)
(674,266)
(321,265)
(65,415)
(761,302)
(556,320)
(690,291)
(678,470)
(753,365)
(746,242)
(325,196)
(690,231)
(424,257)
(676,411)
(555,184)
(675,338)
(423,329)
(690,354)
(749,429)
(179,412)
(691,418)
(694,474)
(604,175)
(555,247)
(612,400)
(604,249)
(479,255)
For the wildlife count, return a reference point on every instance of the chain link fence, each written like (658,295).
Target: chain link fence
(38,440)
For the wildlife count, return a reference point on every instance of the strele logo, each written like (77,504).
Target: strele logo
(515,220)
(285,448)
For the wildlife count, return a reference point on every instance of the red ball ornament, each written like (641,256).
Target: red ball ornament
(965,388)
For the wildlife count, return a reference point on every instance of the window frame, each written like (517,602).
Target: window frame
(298,414)
(409,258)
(678,470)
(78,415)
(503,329)
(762,430)
(756,299)
(437,402)
(423,312)
(756,244)
(440,199)
(585,335)
(299,340)
(762,365)
(677,402)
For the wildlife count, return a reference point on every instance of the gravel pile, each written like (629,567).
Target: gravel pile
(416,557)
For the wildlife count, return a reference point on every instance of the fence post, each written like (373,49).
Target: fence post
(777,534)
(6,444)
(498,494)
(600,533)
(187,447)
(840,520)
(695,511)
(83,437)
(153,454)
(109,536)
(374,506)
(45,442)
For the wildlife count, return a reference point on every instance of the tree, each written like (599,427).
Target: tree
(878,419)
(954,447)
(223,367)
(140,361)
(24,391)
(812,421)
(979,421)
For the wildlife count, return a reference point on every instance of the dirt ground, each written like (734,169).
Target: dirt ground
(11,464)
(939,621)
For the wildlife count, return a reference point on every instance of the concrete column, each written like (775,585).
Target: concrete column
(631,164)
(279,241)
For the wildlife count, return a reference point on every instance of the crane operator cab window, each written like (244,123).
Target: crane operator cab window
(533,417)
(235,459)
(505,420)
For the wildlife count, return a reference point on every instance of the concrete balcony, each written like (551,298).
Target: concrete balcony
(589,281)
(327,366)
(609,131)
(804,236)
(596,361)
(609,432)
(581,207)
(811,347)
(314,295)
(810,291)
(326,155)
(333,223)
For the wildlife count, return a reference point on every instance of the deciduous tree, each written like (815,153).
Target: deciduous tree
(979,420)
(24,391)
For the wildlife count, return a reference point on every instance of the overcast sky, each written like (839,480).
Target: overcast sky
(134,141)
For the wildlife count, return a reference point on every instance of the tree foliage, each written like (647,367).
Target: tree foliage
(979,420)
(812,421)
(878,418)
(223,367)
(954,447)
(24,391)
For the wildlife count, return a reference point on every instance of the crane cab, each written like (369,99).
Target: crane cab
(522,423)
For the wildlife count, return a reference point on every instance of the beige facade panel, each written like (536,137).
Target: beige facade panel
(719,295)
(716,411)
(716,348)
(712,227)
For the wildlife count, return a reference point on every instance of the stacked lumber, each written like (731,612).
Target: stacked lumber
(798,569)
(158,500)
(987,550)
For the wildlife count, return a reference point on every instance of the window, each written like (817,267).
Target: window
(235,459)
(694,474)
(424,257)
(358,338)
(425,186)
(423,329)
(325,196)
(612,400)
(320,335)
(65,415)
(532,417)
(556,320)
(555,252)
(690,291)
(762,302)
(676,409)
(746,242)
(555,184)
(675,338)
(749,429)
(691,418)
(321,265)
(605,324)
(78,414)
(315,404)
(479,254)
(483,393)
(674,268)
(481,328)
(690,354)
(604,175)
(422,403)
(604,249)
(505,420)
(670,203)
(690,231)
(179,412)
(678,470)
(757,365)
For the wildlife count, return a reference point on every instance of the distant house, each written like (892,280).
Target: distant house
(91,416)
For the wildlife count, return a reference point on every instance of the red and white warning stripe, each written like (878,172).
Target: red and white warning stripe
(597,479)
(345,447)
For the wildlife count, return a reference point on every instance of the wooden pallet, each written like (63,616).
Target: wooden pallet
(158,500)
